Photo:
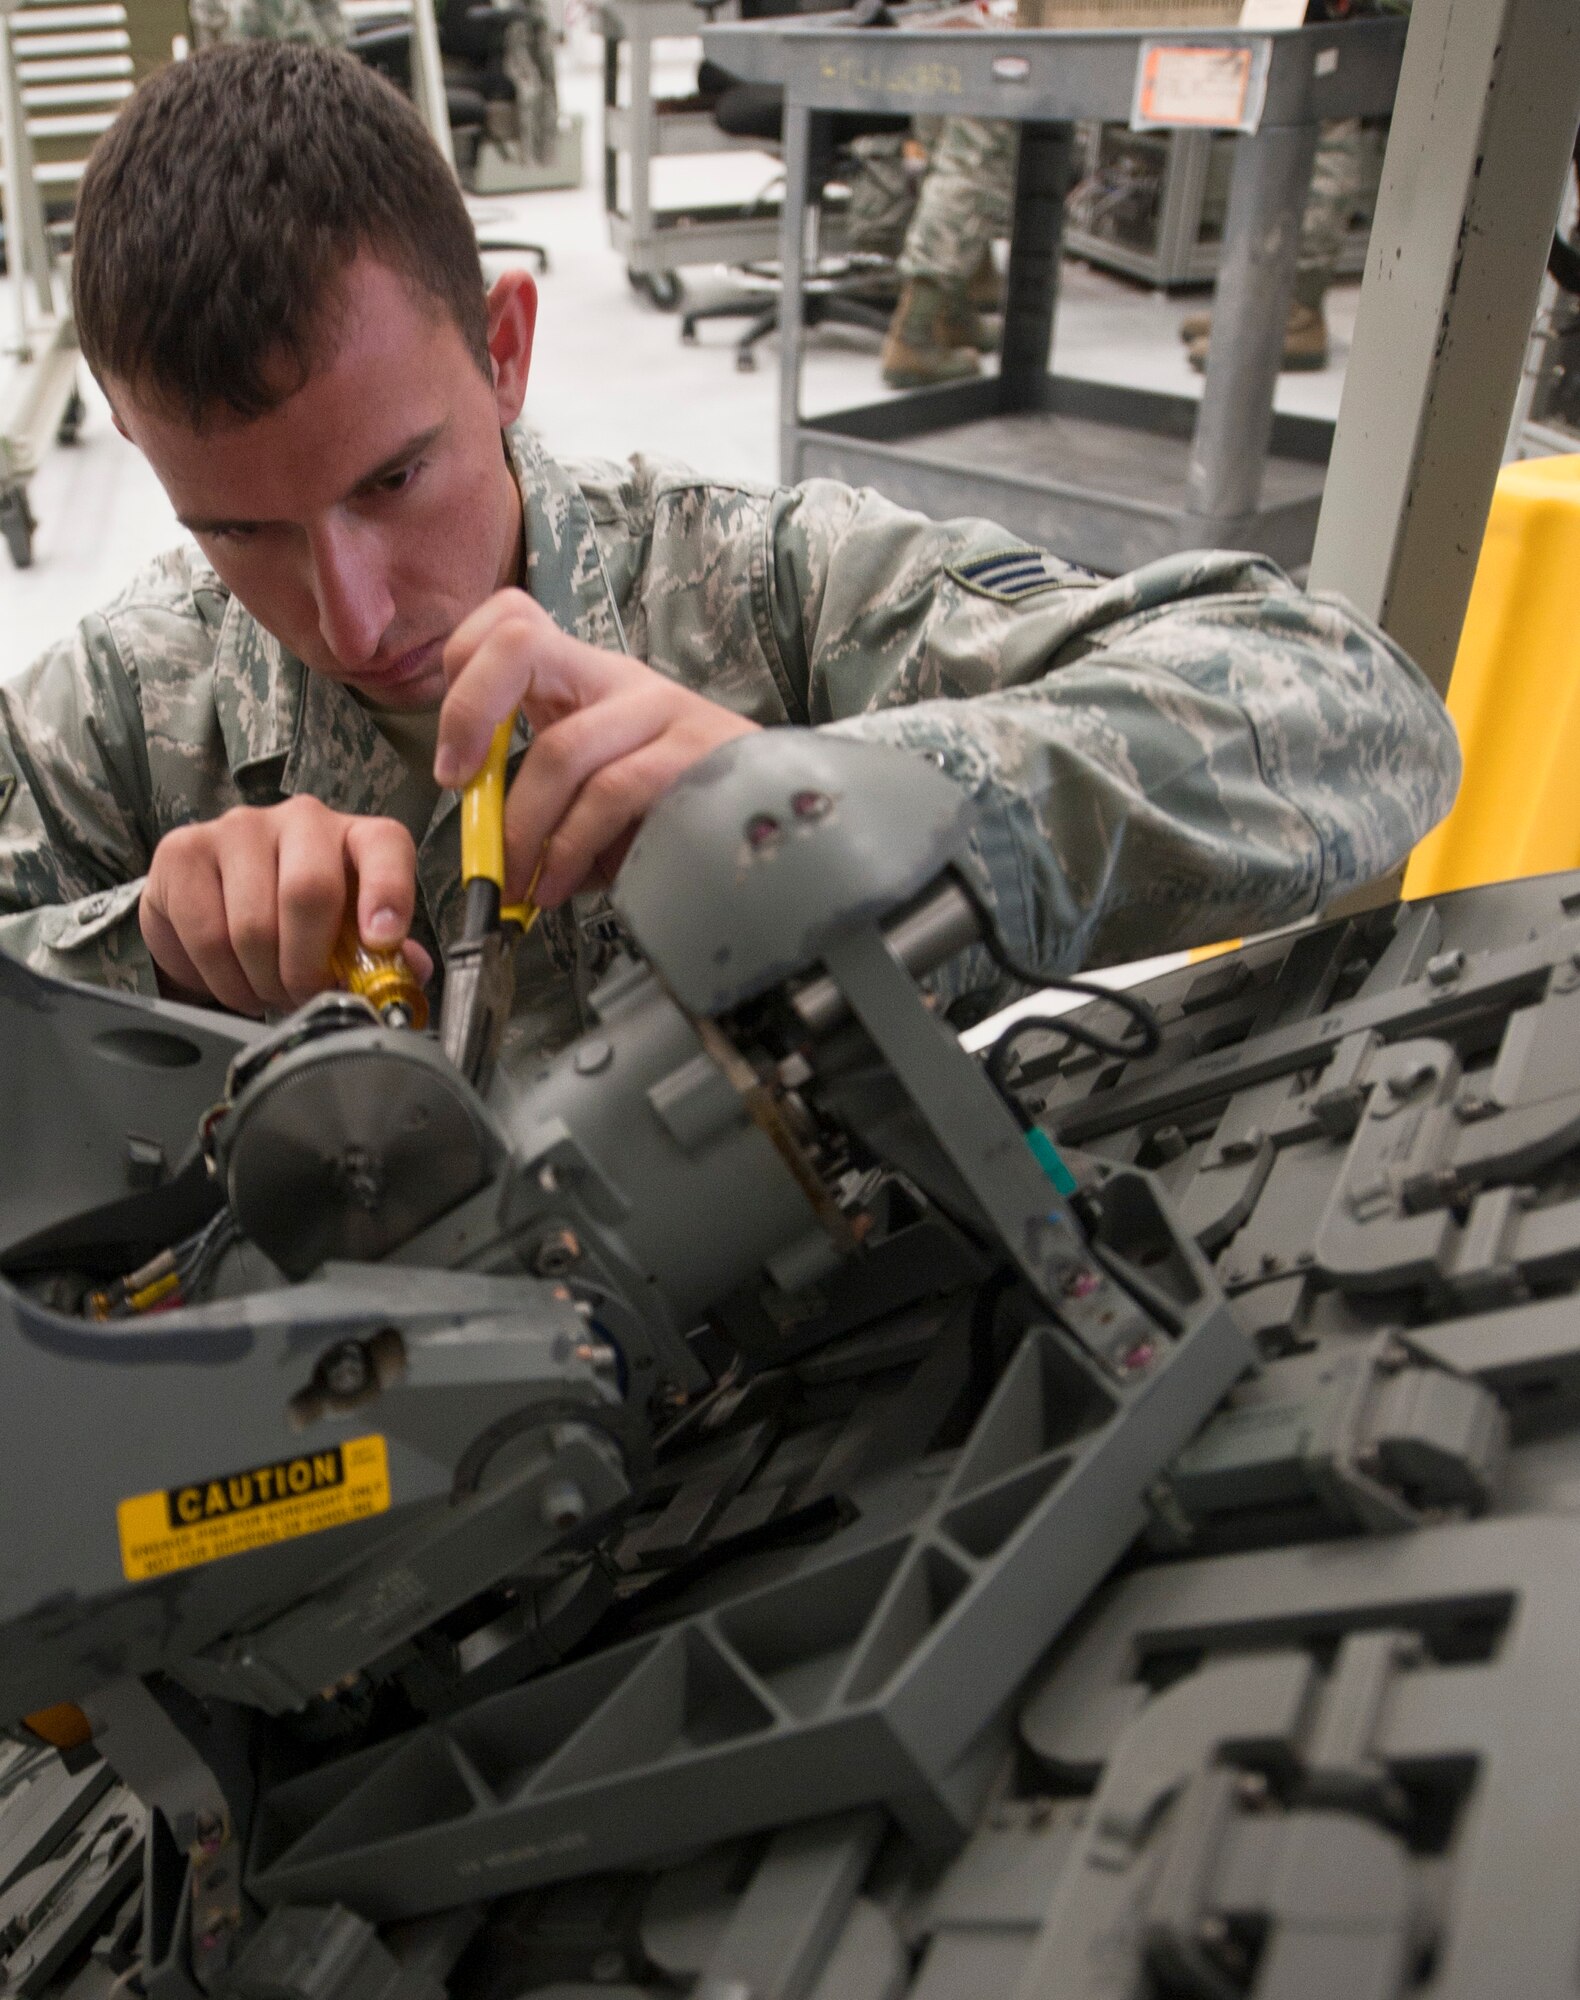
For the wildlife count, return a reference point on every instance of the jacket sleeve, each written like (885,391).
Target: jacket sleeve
(1187,753)
(76,816)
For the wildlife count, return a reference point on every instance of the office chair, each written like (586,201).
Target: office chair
(847,290)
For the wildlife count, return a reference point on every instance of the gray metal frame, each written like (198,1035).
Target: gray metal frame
(1178,255)
(653,239)
(1489,98)
(1160,473)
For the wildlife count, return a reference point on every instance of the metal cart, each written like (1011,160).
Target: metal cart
(1109,475)
(658,242)
(63,72)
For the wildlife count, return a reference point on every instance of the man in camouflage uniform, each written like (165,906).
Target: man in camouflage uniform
(966,198)
(199,784)
(1346,165)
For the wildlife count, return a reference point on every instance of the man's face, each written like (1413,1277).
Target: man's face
(363,518)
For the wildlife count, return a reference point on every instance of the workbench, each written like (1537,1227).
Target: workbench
(1106,474)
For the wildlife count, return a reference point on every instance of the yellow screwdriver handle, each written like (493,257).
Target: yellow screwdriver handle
(483,826)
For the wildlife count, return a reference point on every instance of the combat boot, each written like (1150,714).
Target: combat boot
(922,346)
(1305,340)
(969,311)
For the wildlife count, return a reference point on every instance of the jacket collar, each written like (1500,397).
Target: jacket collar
(272,710)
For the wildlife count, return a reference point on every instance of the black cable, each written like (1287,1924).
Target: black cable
(1140,1012)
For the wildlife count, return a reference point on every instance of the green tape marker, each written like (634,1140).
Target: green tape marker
(1046,1154)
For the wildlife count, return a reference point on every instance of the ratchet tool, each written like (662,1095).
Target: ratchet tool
(479,975)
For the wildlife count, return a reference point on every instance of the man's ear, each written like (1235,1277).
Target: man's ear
(512,321)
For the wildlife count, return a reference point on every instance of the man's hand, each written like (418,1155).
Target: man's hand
(609,737)
(245,909)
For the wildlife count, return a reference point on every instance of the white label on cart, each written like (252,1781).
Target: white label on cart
(1217,86)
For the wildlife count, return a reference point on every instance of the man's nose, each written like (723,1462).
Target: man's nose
(350,590)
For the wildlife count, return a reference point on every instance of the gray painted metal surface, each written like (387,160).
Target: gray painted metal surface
(1108,478)
(1489,98)
(1166,1591)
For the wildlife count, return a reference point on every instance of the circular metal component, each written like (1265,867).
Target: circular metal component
(564,1505)
(347,1147)
(346,1370)
(556,1254)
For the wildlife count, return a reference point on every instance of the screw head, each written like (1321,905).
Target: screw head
(563,1505)
(346,1370)
(1081,1282)
(811,805)
(762,830)
(556,1254)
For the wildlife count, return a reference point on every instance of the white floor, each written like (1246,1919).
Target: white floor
(610,377)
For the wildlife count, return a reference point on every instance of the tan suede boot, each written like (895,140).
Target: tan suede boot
(1305,341)
(921,347)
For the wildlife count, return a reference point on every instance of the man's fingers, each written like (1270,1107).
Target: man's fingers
(561,761)
(418,959)
(249,873)
(168,953)
(312,895)
(195,906)
(384,860)
(608,806)
(511,655)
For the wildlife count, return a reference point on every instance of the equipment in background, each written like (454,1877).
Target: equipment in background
(762,1502)
(64,71)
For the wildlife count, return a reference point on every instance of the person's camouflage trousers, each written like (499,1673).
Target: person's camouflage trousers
(967,197)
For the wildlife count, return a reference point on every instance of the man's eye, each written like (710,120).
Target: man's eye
(397,482)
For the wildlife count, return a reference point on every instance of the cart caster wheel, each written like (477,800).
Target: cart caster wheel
(71,422)
(17,525)
(746,363)
(659,288)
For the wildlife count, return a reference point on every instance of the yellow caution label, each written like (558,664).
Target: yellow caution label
(237,1511)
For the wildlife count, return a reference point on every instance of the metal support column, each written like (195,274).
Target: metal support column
(1042,180)
(1489,97)
(796,135)
(1267,197)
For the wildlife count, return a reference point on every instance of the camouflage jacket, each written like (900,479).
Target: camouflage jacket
(1183,754)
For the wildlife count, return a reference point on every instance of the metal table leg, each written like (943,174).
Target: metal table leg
(797,136)
(1267,197)
(1042,180)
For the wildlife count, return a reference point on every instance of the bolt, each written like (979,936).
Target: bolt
(556,1253)
(345,1369)
(593,1056)
(811,805)
(1471,1105)
(563,1505)
(1081,1281)
(762,830)
(1445,968)
(1134,1359)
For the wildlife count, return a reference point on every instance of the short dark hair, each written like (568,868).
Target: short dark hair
(218,212)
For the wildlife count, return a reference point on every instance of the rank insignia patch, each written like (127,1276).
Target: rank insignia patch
(1008,575)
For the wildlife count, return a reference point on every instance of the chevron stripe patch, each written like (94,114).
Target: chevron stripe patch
(1008,575)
